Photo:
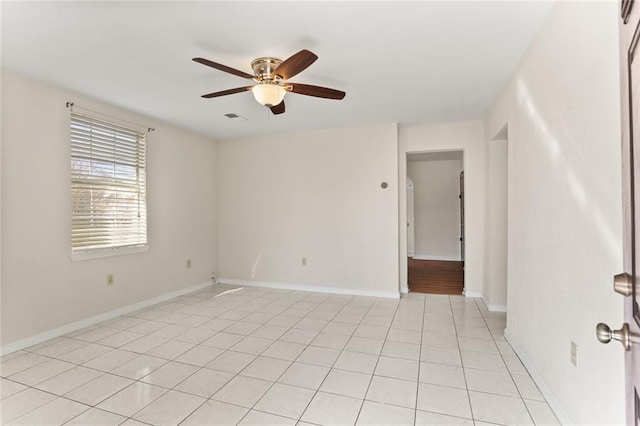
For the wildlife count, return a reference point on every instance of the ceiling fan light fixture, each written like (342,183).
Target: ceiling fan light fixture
(271,76)
(268,94)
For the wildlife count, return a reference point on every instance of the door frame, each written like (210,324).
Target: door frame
(402,215)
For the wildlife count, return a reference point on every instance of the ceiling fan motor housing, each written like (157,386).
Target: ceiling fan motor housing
(263,69)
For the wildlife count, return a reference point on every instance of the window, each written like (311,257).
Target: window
(108,185)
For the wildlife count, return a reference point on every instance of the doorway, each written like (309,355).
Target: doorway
(434,218)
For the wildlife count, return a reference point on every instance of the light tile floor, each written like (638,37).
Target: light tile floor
(252,356)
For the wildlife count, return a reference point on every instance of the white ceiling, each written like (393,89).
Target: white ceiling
(411,63)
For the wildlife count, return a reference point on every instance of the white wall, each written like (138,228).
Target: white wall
(564,209)
(496,253)
(313,194)
(469,138)
(436,208)
(37,273)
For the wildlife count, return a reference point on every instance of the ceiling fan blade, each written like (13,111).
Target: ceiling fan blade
(223,68)
(317,91)
(295,64)
(227,92)
(278,109)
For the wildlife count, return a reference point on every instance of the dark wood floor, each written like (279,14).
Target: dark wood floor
(436,276)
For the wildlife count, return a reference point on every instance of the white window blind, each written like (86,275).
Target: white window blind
(108,185)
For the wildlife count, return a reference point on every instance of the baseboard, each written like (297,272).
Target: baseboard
(472,294)
(494,308)
(497,308)
(410,253)
(537,378)
(65,329)
(433,257)
(316,289)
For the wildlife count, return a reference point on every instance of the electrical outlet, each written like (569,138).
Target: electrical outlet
(304,261)
(574,354)
(188,263)
(109,279)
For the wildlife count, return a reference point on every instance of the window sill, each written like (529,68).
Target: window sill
(100,253)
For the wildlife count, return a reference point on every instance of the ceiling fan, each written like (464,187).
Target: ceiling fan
(271,75)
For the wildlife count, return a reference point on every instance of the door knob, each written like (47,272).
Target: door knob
(605,334)
(623,284)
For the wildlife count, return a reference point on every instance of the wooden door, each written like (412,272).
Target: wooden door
(626,283)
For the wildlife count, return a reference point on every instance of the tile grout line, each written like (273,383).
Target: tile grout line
(109,396)
(144,354)
(464,375)
(307,346)
(364,398)
(291,361)
(282,304)
(338,357)
(209,398)
(508,370)
(138,381)
(424,313)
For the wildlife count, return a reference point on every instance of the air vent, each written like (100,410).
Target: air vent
(236,117)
